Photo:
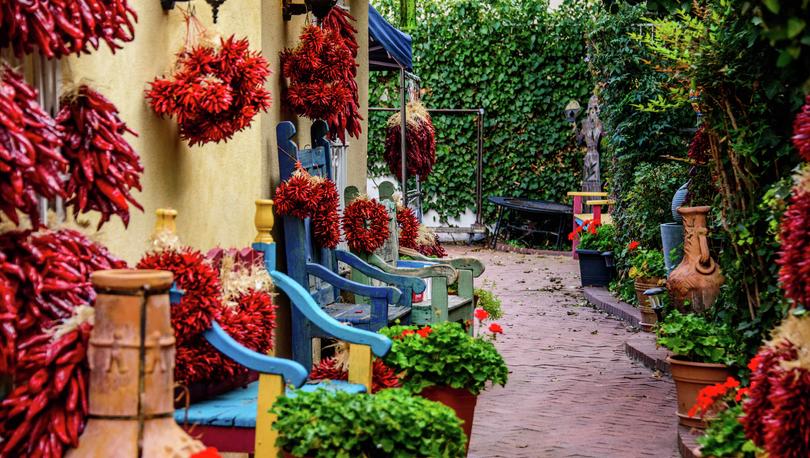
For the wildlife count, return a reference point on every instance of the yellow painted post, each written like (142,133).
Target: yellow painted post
(271,387)
(264,221)
(360,362)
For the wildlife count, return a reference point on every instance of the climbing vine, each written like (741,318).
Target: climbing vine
(518,61)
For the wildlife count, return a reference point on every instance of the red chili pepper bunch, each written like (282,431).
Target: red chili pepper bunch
(46,414)
(699,146)
(408,227)
(215,93)
(193,274)
(382,376)
(304,196)
(57,28)
(777,412)
(30,161)
(420,139)
(322,73)
(433,249)
(801,130)
(103,165)
(252,320)
(794,272)
(49,273)
(365,224)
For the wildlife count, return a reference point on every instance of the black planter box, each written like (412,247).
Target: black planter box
(596,268)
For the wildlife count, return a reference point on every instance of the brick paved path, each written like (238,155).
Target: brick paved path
(572,392)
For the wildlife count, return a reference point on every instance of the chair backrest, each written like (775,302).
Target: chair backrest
(298,236)
(390,251)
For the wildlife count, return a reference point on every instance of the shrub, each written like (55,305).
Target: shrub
(392,423)
(647,264)
(488,301)
(602,240)
(695,338)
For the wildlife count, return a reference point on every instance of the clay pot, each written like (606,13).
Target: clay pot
(697,280)
(648,316)
(131,357)
(689,379)
(460,400)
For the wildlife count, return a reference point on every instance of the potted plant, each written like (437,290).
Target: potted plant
(648,270)
(595,252)
(392,423)
(446,364)
(702,352)
(488,301)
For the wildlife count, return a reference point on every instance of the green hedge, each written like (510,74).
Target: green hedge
(518,61)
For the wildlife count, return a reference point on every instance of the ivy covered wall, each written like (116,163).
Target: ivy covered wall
(520,62)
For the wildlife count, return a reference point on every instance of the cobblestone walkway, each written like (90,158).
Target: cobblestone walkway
(572,392)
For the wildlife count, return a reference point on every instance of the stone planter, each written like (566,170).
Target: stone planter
(460,400)
(689,379)
(648,317)
(596,268)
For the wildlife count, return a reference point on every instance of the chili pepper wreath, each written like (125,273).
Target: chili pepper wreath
(215,92)
(322,71)
(56,28)
(304,196)
(30,162)
(103,166)
(365,224)
(420,139)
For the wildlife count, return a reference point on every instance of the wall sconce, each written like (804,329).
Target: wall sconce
(215,4)
(319,8)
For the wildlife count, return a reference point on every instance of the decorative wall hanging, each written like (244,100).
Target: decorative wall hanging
(214,92)
(57,28)
(322,72)
(408,226)
(304,196)
(428,243)
(365,224)
(30,163)
(103,167)
(420,138)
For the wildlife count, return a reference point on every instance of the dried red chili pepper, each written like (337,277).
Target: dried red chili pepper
(215,93)
(304,196)
(365,224)
(56,28)
(322,72)
(420,139)
(103,167)
(30,161)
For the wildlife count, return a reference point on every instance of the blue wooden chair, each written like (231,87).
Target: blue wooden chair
(316,269)
(240,421)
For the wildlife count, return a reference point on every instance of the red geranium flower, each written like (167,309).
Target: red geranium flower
(481,314)
(424,332)
(210,452)
(633,245)
(408,332)
(495,328)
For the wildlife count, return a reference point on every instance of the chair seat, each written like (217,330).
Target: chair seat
(361,313)
(453,302)
(237,408)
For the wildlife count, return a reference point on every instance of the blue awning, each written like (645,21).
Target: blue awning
(388,48)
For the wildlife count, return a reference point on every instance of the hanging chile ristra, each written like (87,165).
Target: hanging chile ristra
(420,138)
(104,168)
(30,161)
(322,72)
(304,196)
(215,93)
(56,28)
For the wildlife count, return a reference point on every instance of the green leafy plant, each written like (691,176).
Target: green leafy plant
(645,263)
(443,355)
(694,338)
(479,54)
(725,436)
(603,240)
(488,301)
(391,423)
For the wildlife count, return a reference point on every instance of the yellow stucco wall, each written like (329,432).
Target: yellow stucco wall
(213,186)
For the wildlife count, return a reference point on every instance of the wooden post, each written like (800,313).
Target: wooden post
(271,387)
(360,365)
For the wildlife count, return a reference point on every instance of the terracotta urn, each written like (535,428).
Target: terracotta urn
(131,356)
(695,284)
(460,400)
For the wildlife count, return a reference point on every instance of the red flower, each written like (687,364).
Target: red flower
(481,314)
(424,332)
(210,452)
(495,328)
(708,396)
(633,245)
(741,393)
(408,332)
(753,365)
(592,229)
